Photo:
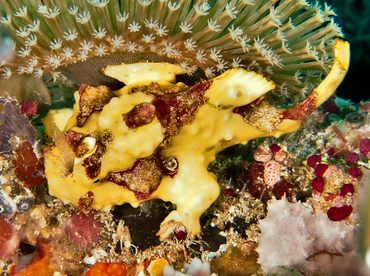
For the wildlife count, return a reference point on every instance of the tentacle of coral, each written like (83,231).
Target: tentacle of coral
(287,41)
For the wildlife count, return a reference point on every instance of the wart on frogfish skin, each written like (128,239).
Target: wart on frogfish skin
(92,99)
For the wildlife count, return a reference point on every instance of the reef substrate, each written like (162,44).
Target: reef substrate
(287,204)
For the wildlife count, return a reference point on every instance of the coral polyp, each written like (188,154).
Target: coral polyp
(290,42)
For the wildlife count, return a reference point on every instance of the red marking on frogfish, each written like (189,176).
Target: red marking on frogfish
(301,110)
(173,110)
(140,115)
(82,88)
(142,196)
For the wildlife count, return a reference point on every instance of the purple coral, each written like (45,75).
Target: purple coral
(27,166)
(9,238)
(13,122)
(29,108)
(83,229)
(351,158)
(365,146)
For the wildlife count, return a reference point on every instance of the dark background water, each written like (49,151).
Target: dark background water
(354,18)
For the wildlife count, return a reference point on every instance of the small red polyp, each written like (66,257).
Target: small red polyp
(339,213)
(313,160)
